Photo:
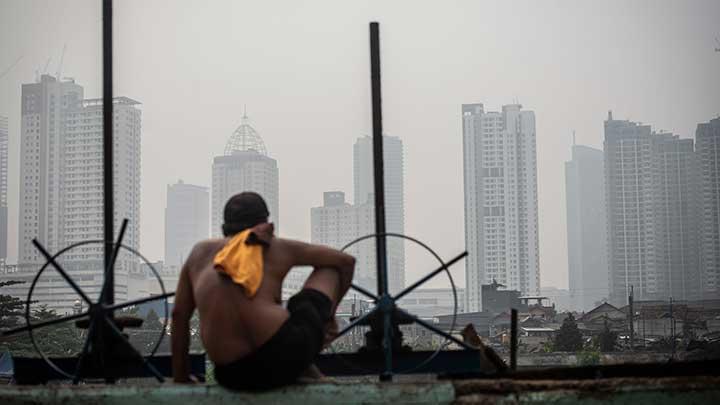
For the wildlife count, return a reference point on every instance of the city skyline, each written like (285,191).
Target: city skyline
(569,76)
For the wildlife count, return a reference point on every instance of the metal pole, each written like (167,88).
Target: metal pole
(513,338)
(378,156)
(107,7)
(631,300)
(386,303)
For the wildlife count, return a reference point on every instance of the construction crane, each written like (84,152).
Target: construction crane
(59,68)
(6,71)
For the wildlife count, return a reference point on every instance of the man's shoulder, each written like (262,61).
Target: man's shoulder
(206,247)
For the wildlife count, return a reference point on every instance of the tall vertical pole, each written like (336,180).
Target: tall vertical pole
(672,330)
(386,304)
(631,316)
(109,296)
(513,338)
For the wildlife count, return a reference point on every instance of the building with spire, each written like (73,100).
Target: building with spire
(245,166)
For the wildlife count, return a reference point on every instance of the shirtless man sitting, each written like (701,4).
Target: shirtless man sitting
(254,342)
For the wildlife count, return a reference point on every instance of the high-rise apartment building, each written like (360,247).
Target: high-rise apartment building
(61,186)
(586,228)
(337,223)
(3,188)
(707,146)
(651,187)
(363,179)
(187,220)
(245,166)
(501,214)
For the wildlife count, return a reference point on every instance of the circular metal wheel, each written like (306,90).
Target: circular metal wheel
(443,265)
(100,311)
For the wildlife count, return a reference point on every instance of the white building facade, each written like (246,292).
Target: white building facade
(501,215)
(61,187)
(3,188)
(363,181)
(337,223)
(187,220)
(245,166)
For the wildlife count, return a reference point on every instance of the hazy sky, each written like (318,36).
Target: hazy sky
(302,70)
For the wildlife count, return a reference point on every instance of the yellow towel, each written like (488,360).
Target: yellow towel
(242,257)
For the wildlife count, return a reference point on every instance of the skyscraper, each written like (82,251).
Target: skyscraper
(187,220)
(3,188)
(61,185)
(586,228)
(501,214)
(337,223)
(707,145)
(651,182)
(245,166)
(44,106)
(364,184)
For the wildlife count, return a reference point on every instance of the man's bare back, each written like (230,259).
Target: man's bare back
(232,325)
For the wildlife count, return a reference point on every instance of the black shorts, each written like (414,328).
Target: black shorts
(282,359)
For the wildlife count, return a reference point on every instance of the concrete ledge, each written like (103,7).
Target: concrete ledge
(323,393)
(655,391)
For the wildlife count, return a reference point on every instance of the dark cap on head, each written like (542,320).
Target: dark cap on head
(244,211)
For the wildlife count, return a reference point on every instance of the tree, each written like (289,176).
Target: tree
(607,339)
(569,338)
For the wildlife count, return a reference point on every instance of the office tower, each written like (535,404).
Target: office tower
(364,184)
(707,146)
(651,186)
(3,188)
(61,185)
(245,166)
(501,214)
(586,228)
(187,220)
(44,107)
(338,223)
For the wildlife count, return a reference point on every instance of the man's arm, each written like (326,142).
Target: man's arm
(181,314)
(318,256)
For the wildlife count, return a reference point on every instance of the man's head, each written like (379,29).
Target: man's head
(244,211)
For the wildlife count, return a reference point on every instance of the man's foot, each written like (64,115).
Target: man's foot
(313,374)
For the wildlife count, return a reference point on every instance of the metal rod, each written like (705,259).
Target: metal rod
(138,301)
(108,203)
(379,180)
(62,272)
(434,273)
(356,322)
(145,363)
(43,324)
(378,157)
(513,338)
(364,291)
(115,252)
(84,352)
(438,331)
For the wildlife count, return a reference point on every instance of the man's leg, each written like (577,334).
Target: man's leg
(328,282)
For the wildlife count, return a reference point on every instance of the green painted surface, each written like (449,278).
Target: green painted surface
(398,393)
(618,391)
